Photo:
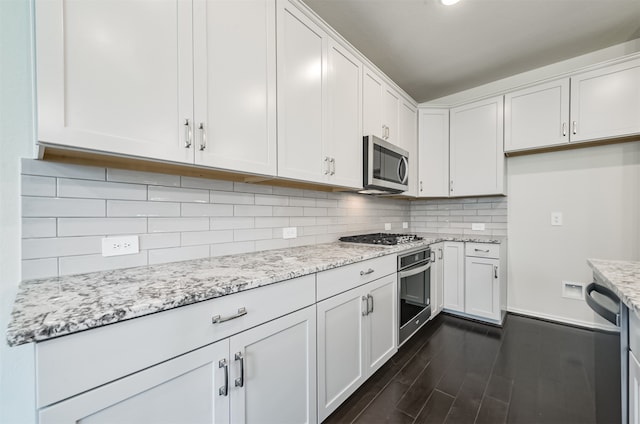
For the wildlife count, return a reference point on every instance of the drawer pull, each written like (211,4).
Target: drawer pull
(369,308)
(224,390)
(482,250)
(367,272)
(218,319)
(365,311)
(240,380)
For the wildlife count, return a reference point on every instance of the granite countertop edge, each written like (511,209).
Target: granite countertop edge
(623,277)
(53,307)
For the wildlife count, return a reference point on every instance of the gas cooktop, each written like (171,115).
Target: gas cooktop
(381,238)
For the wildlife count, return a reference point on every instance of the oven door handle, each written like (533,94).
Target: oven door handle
(414,271)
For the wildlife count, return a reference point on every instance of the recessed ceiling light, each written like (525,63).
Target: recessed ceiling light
(449,2)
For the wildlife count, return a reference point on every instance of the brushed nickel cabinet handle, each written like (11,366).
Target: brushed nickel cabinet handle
(369,309)
(217,319)
(203,136)
(224,390)
(564,129)
(187,134)
(367,272)
(365,310)
(575,127)
(239,382)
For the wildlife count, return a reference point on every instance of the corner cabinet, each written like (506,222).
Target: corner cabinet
(318,103)
(166,87)
(433,152)
(476,149)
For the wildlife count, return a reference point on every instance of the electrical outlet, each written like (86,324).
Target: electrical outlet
(477,226)
(556,218)
(405,225)
(289,232)
(387,226)
(124,245)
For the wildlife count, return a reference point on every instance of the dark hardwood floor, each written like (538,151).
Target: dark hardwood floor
(459,371)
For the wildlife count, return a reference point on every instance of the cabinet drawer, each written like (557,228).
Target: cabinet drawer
(482,250)
(72,364)
(345,278)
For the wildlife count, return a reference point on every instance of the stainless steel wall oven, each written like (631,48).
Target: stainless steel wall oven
(414,291)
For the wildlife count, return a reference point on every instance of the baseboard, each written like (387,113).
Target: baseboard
(564,320)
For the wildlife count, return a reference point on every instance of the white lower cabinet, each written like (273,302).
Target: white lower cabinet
(453,276)
(232,380)
(481,289)
(634,389)
(357,333)
(437,279)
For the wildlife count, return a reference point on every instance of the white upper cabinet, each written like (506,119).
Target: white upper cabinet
(116,80)
(409,141)
(301,84)
(343,144)
(476,148)
(605,103)
(381,108)
(235,85)
(162,79)
(318,104)
(433,153)
(537,116)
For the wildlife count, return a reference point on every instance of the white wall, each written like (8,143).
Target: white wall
(17,397)
(598,191)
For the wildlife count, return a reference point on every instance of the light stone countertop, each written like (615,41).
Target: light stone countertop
(52,307)
(623,277)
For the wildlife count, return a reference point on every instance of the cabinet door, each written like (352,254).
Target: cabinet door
(186,389)
(437,282)
(235,84)
(341,368)
(482,294)
(409,142)
(113,80)
(453,275)
(391,115)
(278,384)
(343,143)
(433,153)
(301,74)
(372,94)
(537,116)
(634,390)
(476,148)
(382,322)
(605,103)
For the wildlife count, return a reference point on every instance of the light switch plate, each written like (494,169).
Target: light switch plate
(556,218)
(115,246)
(289,232)
(387,226)
(477,226)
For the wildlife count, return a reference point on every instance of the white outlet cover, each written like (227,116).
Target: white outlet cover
(477,226)
(116,246)
(405,225)
(289,232)
(556,218)
(387,226)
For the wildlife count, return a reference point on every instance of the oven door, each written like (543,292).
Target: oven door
(414,287)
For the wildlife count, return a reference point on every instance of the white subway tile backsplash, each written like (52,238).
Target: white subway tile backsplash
(56,207)
(206,237)
(69,265)
(159,240)
(271,200)
(207,184)
(326,203)
(224,249)
(33,185)
(208,209)
(287,211)
(232,198)
(302,201)
(68,227)
(37,248)
(301,221)
(88,189)
(252,188)
(271,222)
(315,194)
(39,268)
(286,191)
(232,223)
(252,234)
(38,227)
(272,244)
(169,225)
(124,208)
(175,254)
(175,194)
(315,211)
(63,170)
(139,177)
(247,210)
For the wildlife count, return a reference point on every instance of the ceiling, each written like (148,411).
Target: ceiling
(431,50)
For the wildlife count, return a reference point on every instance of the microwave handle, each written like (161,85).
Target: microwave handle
(403,178)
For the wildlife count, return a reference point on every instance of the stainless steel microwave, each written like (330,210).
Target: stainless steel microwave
(386,167)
